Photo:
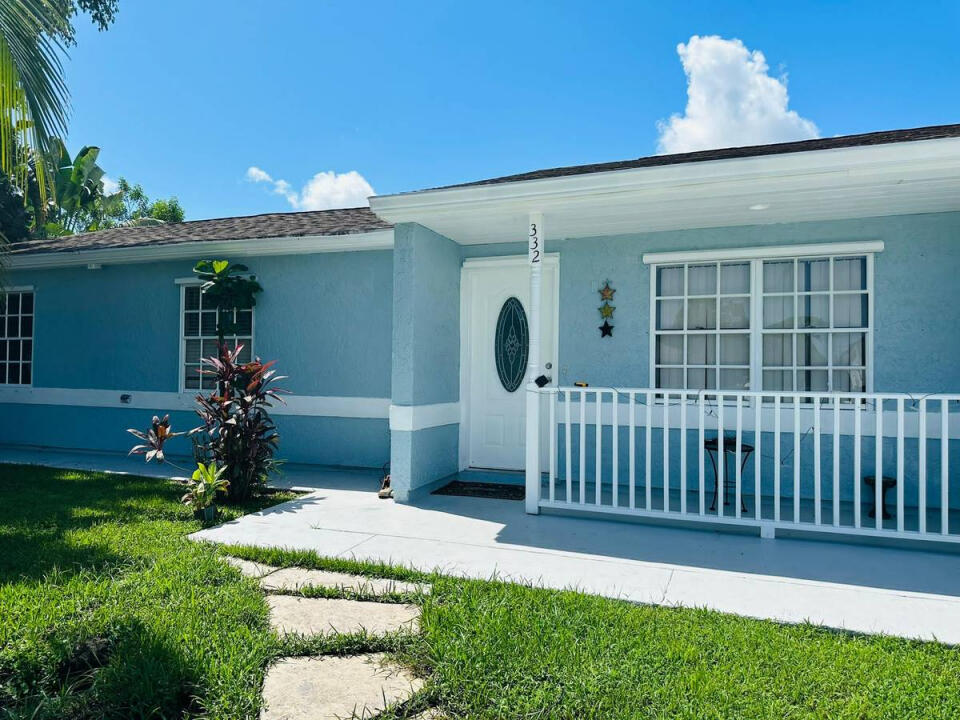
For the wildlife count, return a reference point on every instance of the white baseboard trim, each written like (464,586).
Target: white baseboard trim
(301,405)
(420,417)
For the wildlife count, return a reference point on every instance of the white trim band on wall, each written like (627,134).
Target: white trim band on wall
(409,418)
(302,405)
(765,252)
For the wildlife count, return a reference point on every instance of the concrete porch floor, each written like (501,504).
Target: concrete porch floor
(908,593)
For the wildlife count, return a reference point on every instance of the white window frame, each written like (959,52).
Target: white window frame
(756,257)
(183,284)
(33,336)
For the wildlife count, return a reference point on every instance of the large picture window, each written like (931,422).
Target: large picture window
(778,324)
(199,338)
(16,337)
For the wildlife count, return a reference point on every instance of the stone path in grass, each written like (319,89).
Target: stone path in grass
(329,687)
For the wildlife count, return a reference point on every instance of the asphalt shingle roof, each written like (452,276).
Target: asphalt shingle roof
(885,137)
(272,225)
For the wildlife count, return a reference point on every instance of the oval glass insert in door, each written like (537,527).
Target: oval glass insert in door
(511,344)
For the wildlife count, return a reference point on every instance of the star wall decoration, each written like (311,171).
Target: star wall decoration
(606,310)
(606,330)
(606,292)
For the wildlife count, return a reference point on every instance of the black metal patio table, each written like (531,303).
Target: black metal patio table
(711,445)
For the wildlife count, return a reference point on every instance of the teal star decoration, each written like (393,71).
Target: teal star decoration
(606,330)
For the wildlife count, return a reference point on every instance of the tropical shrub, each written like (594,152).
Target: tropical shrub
(154,438)
(237,430)
(205,484)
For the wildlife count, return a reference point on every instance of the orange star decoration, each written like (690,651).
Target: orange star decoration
(606,310)
(606,292)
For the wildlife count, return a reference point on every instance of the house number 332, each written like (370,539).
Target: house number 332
(534,248)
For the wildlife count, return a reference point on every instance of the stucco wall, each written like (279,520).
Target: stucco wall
(426,354)
(326,318)
(916,338)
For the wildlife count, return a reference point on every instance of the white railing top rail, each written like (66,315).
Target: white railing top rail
(711,394)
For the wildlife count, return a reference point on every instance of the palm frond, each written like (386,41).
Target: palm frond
(34,100)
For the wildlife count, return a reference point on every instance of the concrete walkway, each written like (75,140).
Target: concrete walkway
(909,593)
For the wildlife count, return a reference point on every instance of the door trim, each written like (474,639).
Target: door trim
(551,260)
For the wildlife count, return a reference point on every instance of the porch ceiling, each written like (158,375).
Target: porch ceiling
(842,183)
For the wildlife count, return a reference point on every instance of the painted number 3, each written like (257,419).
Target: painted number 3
(534,243)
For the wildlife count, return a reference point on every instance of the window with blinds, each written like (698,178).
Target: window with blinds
(778,324)
(199,338)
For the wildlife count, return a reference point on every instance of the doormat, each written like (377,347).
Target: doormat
(496,491)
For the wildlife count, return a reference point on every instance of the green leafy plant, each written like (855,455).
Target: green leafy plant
(228,286)
(206,482)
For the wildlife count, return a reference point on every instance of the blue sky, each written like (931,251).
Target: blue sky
(185,97)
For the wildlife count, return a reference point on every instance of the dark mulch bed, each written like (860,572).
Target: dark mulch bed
(496,491)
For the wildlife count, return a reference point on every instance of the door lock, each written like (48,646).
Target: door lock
(549,366)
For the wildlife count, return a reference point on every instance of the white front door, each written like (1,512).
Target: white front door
(495,414)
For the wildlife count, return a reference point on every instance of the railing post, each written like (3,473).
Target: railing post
(535,238)
(533,450)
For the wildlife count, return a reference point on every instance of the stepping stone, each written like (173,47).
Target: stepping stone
(249,568)
(332,688)
(320,616)
(294,578)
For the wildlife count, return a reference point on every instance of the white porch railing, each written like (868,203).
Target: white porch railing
(789,460)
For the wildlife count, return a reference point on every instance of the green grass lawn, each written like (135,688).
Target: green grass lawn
(108,611)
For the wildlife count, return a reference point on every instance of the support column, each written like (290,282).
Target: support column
(535,238)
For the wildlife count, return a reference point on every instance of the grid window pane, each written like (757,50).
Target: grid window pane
(13,350)
(778,276)
(735,379)
(13,304)
(814,311)
(26,303)
(777,350)
(244,322)
(208,323)
(812,380)
(813,275)
(734,350)
(669,349)
(735,278)
(849,380)
(26,374)
(671,378)
(13,326)
(191,298)
(701,349)
(670,315)
(191,324)
(26,350)
(850,311)
(734,313)
(26,326)
(778,312)
(812,349)
(849,349)
(670,281)
(778,380)
(850,273)
(702,279)
(701,379)
(701,314)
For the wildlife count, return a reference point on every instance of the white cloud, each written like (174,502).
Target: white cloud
(731,100)
(324,191)
(110,186)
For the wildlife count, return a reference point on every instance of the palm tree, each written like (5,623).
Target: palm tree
(33,96)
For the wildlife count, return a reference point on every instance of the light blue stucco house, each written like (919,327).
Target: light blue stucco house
(797,299)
